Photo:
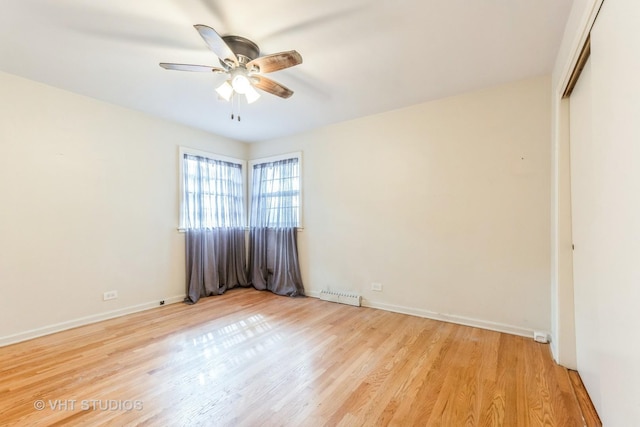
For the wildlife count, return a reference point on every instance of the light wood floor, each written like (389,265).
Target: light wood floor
(251,358)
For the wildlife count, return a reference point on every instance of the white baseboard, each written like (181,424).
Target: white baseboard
(451,318)
(58,327)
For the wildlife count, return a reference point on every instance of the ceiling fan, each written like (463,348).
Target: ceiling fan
(240,59)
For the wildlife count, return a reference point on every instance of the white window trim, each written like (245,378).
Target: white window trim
(209,155)
(293,155)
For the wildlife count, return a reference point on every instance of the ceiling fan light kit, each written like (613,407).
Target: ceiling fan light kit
(225,91)
(241,61)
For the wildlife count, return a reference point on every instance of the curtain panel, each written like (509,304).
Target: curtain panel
(273,238)
(215,261)
(213,216)
(273,261)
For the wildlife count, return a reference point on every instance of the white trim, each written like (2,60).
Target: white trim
(83,321)
(195,152)
(286,156)
(450,318)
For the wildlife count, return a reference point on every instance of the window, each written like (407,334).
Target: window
(212,190)
(275,191)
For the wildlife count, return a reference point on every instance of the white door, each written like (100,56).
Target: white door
(583,201)
(605,156)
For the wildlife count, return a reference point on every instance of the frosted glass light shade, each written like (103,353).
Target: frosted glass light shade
(225,91)
(251,94)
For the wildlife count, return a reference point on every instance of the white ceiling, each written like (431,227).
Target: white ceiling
(361,57)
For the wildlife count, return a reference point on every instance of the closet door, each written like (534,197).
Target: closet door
(606,211)
(585,255)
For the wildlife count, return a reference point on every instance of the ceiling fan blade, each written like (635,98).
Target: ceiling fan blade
(189,67)
(275,62)
(216,44)
(272,87)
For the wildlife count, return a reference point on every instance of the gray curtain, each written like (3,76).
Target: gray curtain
(215,261)
(273,238)
(213,216)
(273,261)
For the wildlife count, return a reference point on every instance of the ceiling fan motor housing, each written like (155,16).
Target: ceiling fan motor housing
(245,49)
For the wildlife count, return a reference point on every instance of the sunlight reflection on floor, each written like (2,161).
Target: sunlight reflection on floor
(219,348)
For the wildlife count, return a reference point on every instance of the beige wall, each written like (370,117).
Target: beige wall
(445,204)
(89,204)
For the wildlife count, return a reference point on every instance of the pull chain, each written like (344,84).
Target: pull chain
(233,95)
(239,100)
(235,100)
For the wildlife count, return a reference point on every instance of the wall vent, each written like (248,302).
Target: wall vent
(348,298)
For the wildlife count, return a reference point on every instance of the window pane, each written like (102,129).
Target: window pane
(276,194)
(213,195)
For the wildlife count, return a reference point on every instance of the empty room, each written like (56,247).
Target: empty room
(304,213)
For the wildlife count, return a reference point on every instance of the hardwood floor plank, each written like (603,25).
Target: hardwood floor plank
(251,358)
(588,411)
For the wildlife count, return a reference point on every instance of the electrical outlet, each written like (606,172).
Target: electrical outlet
(110,295)
(540,337)
(376,287)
